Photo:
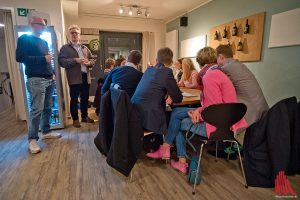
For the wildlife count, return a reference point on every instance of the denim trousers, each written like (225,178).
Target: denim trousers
(40,92)
(180,122)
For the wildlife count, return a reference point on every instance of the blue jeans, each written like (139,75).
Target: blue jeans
(40,91)
(179,123)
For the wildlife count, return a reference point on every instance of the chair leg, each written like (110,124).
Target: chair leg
(197,172)
(216,159)
(229,154)
(130,176)
(245,181)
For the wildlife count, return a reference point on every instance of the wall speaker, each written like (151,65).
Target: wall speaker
(184,21)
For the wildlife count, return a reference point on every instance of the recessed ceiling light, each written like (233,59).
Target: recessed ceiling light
(121,10)
(130,11)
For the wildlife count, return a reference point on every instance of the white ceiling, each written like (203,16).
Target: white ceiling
(159,9)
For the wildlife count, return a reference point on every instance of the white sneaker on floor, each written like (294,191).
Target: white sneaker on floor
(34,146)
(51,136)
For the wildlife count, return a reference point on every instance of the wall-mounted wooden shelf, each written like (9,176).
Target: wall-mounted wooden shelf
(252,42)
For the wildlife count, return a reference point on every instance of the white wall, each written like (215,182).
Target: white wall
(53,7)
(123,24)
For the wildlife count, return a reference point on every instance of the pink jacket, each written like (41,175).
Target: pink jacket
(217,88)
(192,82)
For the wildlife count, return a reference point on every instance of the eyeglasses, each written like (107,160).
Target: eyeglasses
(74,33)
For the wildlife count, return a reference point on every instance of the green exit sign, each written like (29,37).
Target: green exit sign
(22,12)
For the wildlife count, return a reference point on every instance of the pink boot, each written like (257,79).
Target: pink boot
(179,166)
(163,152)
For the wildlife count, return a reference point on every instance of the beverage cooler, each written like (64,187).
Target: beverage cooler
(57,115)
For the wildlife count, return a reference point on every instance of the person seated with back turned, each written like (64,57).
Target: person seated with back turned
(150,95)
(109,65)
(120,61)
(125,77)
(217,88)
(189,76)
(247,88)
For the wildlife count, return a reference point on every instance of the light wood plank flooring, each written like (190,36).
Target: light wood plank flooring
(71,168)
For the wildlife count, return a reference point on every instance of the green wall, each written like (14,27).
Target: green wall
(278,72)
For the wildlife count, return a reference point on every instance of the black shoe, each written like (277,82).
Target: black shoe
(87,120)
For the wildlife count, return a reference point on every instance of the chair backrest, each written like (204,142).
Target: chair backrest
(223,116)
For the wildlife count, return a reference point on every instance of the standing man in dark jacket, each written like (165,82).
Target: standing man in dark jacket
(150,95)
(34,53)
(77,60)
(125,77)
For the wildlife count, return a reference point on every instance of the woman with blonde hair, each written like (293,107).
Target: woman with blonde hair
(190,74)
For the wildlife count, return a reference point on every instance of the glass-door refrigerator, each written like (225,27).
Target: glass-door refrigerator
(57,115)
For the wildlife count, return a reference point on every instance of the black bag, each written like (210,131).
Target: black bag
(152,142)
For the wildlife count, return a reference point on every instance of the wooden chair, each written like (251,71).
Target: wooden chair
(222,116)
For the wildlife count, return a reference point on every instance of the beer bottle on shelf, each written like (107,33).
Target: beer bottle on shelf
(224,33)
(216,36)
(234,30)
(247,27)
(239,46)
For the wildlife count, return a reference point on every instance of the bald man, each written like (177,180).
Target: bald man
(34,53)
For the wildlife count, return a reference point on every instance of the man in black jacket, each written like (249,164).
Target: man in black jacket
(34,53)
(77,60)
(150,95)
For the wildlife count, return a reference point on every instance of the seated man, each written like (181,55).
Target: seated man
(247,88)
(150,95)
(125,77)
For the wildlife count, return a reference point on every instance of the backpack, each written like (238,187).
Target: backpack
(192,171)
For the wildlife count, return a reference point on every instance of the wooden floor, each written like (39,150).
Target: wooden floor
(72,168)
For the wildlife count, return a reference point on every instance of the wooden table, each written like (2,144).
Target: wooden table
(189,100)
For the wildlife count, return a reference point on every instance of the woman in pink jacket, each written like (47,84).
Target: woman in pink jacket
(189,76)
(217,88)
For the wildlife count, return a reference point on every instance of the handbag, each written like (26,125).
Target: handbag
(192,175)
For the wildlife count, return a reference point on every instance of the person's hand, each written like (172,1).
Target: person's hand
(79,60)
(48,57)
(180,84)
(169,100)
(53,77)
(185,83)
(86,62)
(194,115)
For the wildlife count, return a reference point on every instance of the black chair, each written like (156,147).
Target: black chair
(222,116)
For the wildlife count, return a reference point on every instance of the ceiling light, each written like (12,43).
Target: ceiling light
(1,25)
(147,14)
(130,11)
(139,12)
(121,10)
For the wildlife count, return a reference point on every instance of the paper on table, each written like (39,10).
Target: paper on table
(185,94)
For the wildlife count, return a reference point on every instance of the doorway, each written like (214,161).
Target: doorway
(6,95)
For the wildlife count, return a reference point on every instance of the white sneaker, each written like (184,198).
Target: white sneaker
(34,146)
(51,136)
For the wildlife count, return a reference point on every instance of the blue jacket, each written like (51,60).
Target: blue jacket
(150,96)
(125,76)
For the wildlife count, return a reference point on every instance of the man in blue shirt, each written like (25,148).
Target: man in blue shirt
(34,53)
(125,77)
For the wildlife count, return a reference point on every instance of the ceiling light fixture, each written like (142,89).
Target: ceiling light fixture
(2,25)
(139,11)
(132,8)
(121,10)
(147,13)
(130,12)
